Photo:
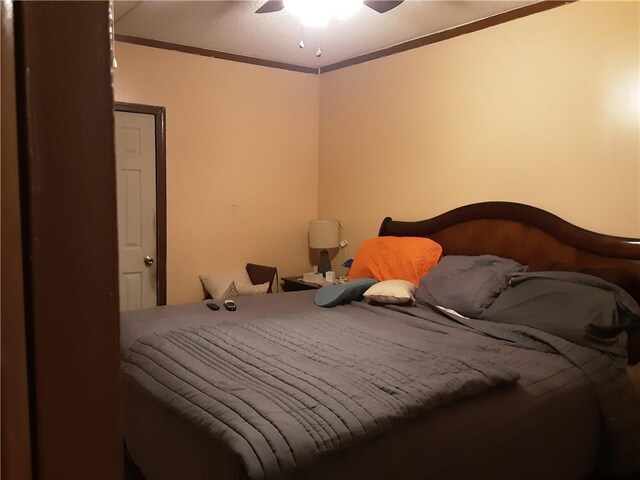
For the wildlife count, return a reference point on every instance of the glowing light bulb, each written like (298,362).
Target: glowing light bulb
(312,13)
(315,19)
(318,13)
(343,9)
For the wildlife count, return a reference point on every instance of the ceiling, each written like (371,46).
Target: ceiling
(233,27)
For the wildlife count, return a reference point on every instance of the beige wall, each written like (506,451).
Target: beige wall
(542,110)
(242,148)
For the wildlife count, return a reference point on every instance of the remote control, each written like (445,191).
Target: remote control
(230,305)
(213,306)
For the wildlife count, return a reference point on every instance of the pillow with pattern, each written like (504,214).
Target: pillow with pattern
(235,289)
(238,289)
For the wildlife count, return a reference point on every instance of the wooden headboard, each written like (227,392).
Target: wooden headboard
(533,237)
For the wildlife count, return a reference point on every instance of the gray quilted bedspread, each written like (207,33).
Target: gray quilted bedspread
(282,391)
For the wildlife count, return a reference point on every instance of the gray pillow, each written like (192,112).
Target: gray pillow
(333,295)
(467,284)
(623,298)
(570,306)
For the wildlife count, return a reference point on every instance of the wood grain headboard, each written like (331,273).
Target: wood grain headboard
(533,237)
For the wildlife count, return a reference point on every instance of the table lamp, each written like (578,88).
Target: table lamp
(324,234)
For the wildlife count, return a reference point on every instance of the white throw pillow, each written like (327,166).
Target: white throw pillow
(250,289)
(237,289)
(208,286)
(391,291)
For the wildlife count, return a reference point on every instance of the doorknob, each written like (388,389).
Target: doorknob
(148,261)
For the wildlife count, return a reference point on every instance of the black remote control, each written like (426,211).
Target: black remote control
(213,306)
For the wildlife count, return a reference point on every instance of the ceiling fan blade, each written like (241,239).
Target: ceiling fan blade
(382,6)
(271,6)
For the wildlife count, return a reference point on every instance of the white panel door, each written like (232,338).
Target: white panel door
(136,164)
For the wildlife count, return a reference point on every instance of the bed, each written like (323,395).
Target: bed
(491,408)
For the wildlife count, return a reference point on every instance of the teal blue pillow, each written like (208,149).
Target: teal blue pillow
(333,295)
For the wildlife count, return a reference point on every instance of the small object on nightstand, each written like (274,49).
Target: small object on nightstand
(230,305)
(295,284)
(313,278)
(213,306)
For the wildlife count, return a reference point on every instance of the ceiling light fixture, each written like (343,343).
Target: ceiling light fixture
(318,13)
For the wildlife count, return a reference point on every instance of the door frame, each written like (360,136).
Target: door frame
(68,213)
(15,435)
(160,115)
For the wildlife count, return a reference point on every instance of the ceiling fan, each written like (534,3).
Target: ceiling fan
(380,6)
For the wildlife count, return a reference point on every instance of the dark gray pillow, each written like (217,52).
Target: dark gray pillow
(569,306)
(467,284)
(623,298)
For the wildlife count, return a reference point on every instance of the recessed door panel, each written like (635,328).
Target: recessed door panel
(131,291)
(133,201)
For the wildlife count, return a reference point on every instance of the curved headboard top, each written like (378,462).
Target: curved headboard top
(532,237)
(563,231)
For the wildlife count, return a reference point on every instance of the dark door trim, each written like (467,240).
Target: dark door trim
(15,417)
(160,114)
(64,101)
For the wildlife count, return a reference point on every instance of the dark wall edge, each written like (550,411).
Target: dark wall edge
(450,33)
(205,52)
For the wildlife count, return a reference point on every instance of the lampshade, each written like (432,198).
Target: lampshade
(324,233)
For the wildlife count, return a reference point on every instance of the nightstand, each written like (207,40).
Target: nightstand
(295,284)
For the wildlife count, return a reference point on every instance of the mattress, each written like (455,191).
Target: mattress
(547,425)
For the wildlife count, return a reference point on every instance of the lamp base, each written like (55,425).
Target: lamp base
(324,263)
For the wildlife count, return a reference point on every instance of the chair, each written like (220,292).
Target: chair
(259,274)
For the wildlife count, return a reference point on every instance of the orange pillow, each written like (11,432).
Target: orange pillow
(395,258)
